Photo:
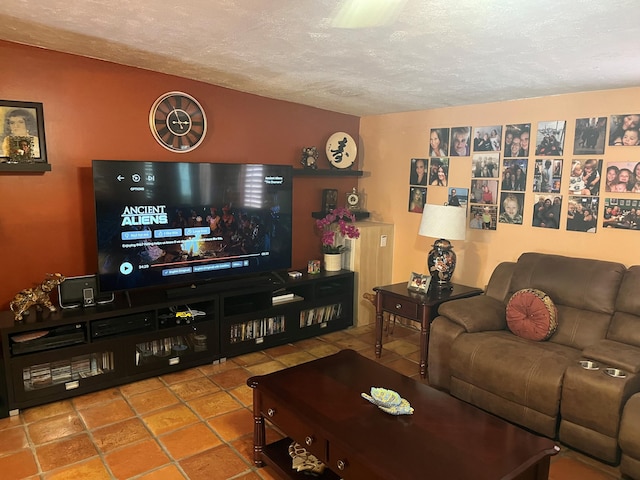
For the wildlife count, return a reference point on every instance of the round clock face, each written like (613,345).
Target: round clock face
(341,150)
(178,122)
(353,199)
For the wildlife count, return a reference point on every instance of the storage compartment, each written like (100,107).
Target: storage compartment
(47,338)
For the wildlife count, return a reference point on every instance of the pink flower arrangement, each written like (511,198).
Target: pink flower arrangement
(339,220)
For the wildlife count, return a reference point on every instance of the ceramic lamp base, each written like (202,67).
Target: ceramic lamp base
(442,262)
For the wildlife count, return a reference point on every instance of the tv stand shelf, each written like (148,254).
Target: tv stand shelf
(52,356)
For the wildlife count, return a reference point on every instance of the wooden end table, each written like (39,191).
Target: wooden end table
(397,299)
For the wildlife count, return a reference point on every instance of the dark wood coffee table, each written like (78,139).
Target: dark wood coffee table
(319,405)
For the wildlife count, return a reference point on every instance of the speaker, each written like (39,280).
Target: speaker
(82,291)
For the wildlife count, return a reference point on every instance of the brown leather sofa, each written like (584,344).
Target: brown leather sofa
(541,385)
(630,438)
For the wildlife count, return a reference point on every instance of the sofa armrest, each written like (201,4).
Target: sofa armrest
(614,354)
(476,314)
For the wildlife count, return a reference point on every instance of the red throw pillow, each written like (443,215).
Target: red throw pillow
(531,314)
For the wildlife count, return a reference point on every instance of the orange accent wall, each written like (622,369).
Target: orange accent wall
(99,110)
(392,140)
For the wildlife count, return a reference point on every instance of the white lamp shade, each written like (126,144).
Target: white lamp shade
(442,221)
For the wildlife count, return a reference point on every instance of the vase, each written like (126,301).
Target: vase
(332,262)
(442,262)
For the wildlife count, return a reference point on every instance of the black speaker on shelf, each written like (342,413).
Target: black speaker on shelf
(81,291)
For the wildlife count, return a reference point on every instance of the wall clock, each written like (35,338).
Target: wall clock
(178,122)
(341,150)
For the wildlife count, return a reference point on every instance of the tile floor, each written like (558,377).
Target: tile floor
(195,424)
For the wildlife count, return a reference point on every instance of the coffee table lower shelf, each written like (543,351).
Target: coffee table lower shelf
(276,455)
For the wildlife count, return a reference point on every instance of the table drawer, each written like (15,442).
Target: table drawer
(347,467)
(291,425)
(401,307)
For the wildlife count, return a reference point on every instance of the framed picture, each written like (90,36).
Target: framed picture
(22,138)
(329,199)
(419,282)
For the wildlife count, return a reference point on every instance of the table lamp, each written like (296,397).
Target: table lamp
(444,223)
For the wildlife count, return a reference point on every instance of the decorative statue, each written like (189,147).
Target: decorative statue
(309,157)
(37,296)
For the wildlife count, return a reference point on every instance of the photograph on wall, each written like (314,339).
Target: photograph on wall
(460,137)
(584,178)
(22,137)
(485,165)
(550,138)
(514,175)
(439,142)
(484,191)
(483,217)
(622,177)
(417,199)
(439,172)
(516,140)
(623,130)
(547,176)
(487,139)
(546,211)
(621,213)
(511,207)
(582,214)
(458,197)
(418,174)
(589,136)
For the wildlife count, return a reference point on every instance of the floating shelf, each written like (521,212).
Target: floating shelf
(25,167)
(359,215)
(310,172)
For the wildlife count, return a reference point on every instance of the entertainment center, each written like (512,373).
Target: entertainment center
(52,356)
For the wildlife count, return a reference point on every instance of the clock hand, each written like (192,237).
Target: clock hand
(178,121)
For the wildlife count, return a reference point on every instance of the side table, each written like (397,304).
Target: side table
(397,299)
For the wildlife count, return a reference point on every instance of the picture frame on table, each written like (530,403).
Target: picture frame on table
(22,136)
(329,199)
(419,282)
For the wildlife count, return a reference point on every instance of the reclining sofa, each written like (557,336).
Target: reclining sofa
(546,385)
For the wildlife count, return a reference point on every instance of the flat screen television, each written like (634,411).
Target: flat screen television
(178,223)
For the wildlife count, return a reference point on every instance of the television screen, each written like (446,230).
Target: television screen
(169,223)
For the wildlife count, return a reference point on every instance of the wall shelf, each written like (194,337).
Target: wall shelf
(309,172)
(358,215)
(24,167)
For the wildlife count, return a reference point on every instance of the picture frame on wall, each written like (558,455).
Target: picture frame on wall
(22,137)
(419,282)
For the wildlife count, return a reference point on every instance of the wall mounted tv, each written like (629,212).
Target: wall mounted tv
(171,223)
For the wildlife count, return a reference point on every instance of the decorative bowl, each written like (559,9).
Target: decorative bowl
(385,398)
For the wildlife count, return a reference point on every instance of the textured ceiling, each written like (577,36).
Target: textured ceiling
(421,54)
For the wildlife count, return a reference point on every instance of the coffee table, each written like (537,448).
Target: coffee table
(319,405)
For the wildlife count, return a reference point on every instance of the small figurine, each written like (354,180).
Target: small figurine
(309,157)
(37,296)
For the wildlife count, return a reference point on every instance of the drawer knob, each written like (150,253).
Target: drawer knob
(398,306)
(271,412)
(341,464)
(309,440)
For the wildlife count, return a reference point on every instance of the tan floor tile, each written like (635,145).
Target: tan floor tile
(335,336)
(220,463)
(231,378)
(65,452)
(169,419)
(213,368)
(182,376)
(191,389)
(11,422)
(18,465)
(106,413)
(233,425)
(323,350)
(214,404)
(54,428)
(135,459)
(120,434)
(354,344)
(153,400)
(13,439)
(244,394)
(296,358)
(401,347)
(170,472)
(92,469)
(309,343)
(96,398)
(189,441)
(47,410)
(250,359)
(264,368)
(275,352)
(135,388)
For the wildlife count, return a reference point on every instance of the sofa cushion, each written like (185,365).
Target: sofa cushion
(531,314)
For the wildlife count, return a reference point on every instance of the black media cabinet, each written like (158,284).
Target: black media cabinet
(52,356)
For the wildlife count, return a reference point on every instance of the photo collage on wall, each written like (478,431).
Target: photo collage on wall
(501,173)
(418,178)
